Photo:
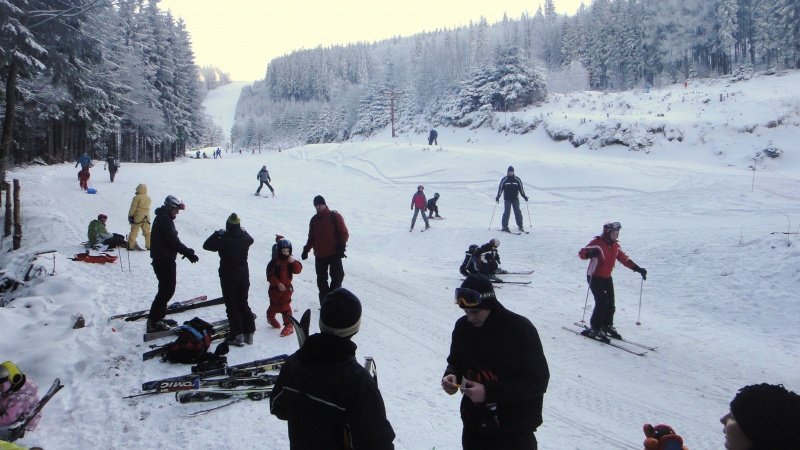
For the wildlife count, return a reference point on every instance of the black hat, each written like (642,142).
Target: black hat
(767,414)
(340,313)
(319,200)
(510,169)
(482,285)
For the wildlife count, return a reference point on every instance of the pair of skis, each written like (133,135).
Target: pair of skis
(245,370)
(177,329)
(626,345)
(186,305)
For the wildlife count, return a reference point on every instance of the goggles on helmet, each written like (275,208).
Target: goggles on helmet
(470,298)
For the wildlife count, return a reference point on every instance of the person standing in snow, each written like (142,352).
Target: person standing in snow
(139,217)
(84,161)
(331,401)
(487,259)
(112,165)
(497,362)
(762,417)
(511,188)
(432,138)
(418,204)
(263,178)
(603,252)
(233,243)
(327,236)
(83,178)
(18,396)
(98,234)
(165,248)
(432,207)
(280,271)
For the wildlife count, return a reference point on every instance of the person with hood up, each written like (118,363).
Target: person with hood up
(418,204)
(280,271)
(139,218)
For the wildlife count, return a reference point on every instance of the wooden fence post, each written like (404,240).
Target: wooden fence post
(17,217)
(7,224)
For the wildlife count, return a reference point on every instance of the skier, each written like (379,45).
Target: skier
(263,178)
(469,266)
(497,362)
(139,217)
(487,258)
(432,138)
(233,244)
(84,161)
(511,188)
(418,204)
(98,234)
(279,275)
(330,401)
(164,250)
(604,251)
(327,236)
(762,416)
(18,396)
(83,178)
(432,207)
(112,165)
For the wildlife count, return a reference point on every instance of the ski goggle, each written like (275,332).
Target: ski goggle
(470,298)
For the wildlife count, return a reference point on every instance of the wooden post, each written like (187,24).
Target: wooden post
(17,217)
(7,225)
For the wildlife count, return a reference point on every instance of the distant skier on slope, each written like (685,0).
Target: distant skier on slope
(418,204)
(604,251)
(264,178)
(433,138)
(511,188)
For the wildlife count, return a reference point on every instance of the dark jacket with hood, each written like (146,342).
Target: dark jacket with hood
(164,242)
(330,401)
(232,244)
(506,356)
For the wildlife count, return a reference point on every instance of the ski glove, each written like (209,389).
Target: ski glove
(662,437)
(497,199)
(130,220)
(526,198)
(192,257)
(642,271)
(304,255)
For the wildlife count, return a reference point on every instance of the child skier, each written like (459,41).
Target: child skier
(432,208)
(418,204)
(469,266)
(279,275)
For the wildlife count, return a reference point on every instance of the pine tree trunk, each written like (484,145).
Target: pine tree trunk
(7,142)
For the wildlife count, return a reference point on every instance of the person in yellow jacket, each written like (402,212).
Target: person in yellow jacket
(139,217)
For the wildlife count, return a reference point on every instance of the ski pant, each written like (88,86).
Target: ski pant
(481,440)
(433,140)
(145,226)
(603,292)
(112,174)
(280,303)
(432,211)
(235,292)
(507,204)
(262,185)
(424,217)
(166,274)
(322,266)
(117,240)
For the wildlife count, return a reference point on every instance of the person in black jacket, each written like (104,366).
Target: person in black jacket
(164,248)
(511,188)
(233,244)
(497,362)
(487,259)
(432,208)
(330,401)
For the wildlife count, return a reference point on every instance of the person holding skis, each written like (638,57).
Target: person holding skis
(487,259)
(330,401)
(279,276)
(112,165)
(233,244)
(18,396)
(139,217)
(469,266)
(418,204)
(327,236)
(164,250)
(603,252)
(511,188)
(432,138)
(98,234)
(761,417)
(432,208)
(497,362)
(263,178)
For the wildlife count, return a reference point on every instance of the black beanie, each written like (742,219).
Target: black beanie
(510,169)
(482,285)
(768,415)
(340,313)
(319,200)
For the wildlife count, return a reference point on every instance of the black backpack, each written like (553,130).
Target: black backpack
(194,340)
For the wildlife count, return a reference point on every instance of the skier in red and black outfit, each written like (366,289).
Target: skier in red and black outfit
(418,204)
(497,361)
(279,275)
(604,251)
(327,235)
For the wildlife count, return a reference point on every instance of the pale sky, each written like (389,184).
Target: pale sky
(242,36)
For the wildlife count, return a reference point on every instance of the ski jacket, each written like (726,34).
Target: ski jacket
(14,405)
(111,162)
(511,187)
(330,401)
(164,242)
(84,161)
(433,135)
(327,234)
(279,270)
(487,254)
(610,252)
(140,205)
(418,200)
(432,202)
(98,232)
(263,176)
(468,266)
(506,356)
(232,244)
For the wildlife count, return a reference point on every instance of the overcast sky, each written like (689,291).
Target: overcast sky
(241,36)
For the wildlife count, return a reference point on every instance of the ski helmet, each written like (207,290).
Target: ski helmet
(495,242)
(436,194)
(284,243)
(11,373)
(420,187)
(174,202)
(611,226)
(473,247)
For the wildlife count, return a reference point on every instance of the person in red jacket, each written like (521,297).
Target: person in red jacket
(327,236)
(604,251)
(279,275)
(418,204)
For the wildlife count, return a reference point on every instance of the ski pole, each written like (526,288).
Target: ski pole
(530,223)
(128,249)
(119,257)
(492,220)
(639,315)
(586,302)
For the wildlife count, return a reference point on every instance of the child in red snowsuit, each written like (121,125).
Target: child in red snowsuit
(83,178)
(279,275)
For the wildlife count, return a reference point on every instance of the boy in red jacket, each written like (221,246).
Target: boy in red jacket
(419,204)
(279,275)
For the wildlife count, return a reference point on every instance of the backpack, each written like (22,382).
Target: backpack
(194,340)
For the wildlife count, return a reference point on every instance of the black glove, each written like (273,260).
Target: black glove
(130,220)
(304,255)
(526,198)
(593,253)
(497,199)
(642,271)
(191,256)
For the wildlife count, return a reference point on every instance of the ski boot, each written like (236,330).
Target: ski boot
(248,338)
(287,330)
(596,334)
(273,322)
(153,327)
(612,332)
(237,340)
(506,229)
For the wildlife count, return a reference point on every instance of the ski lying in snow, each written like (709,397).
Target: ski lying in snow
(177,329)
(646,347)
(186,305)
(506,282)
(605,341)
(248,369)
(197,383)
(17,430)
(521,272)
(211,395)
(437,218)
(220,332)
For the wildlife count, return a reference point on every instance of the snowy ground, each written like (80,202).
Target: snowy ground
(717,301)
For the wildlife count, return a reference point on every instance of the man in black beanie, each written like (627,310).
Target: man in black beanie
(496,360)
(762,417)
(330,401)
(511,188)
(327,236)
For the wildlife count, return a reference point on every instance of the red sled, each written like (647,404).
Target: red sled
(96,259)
